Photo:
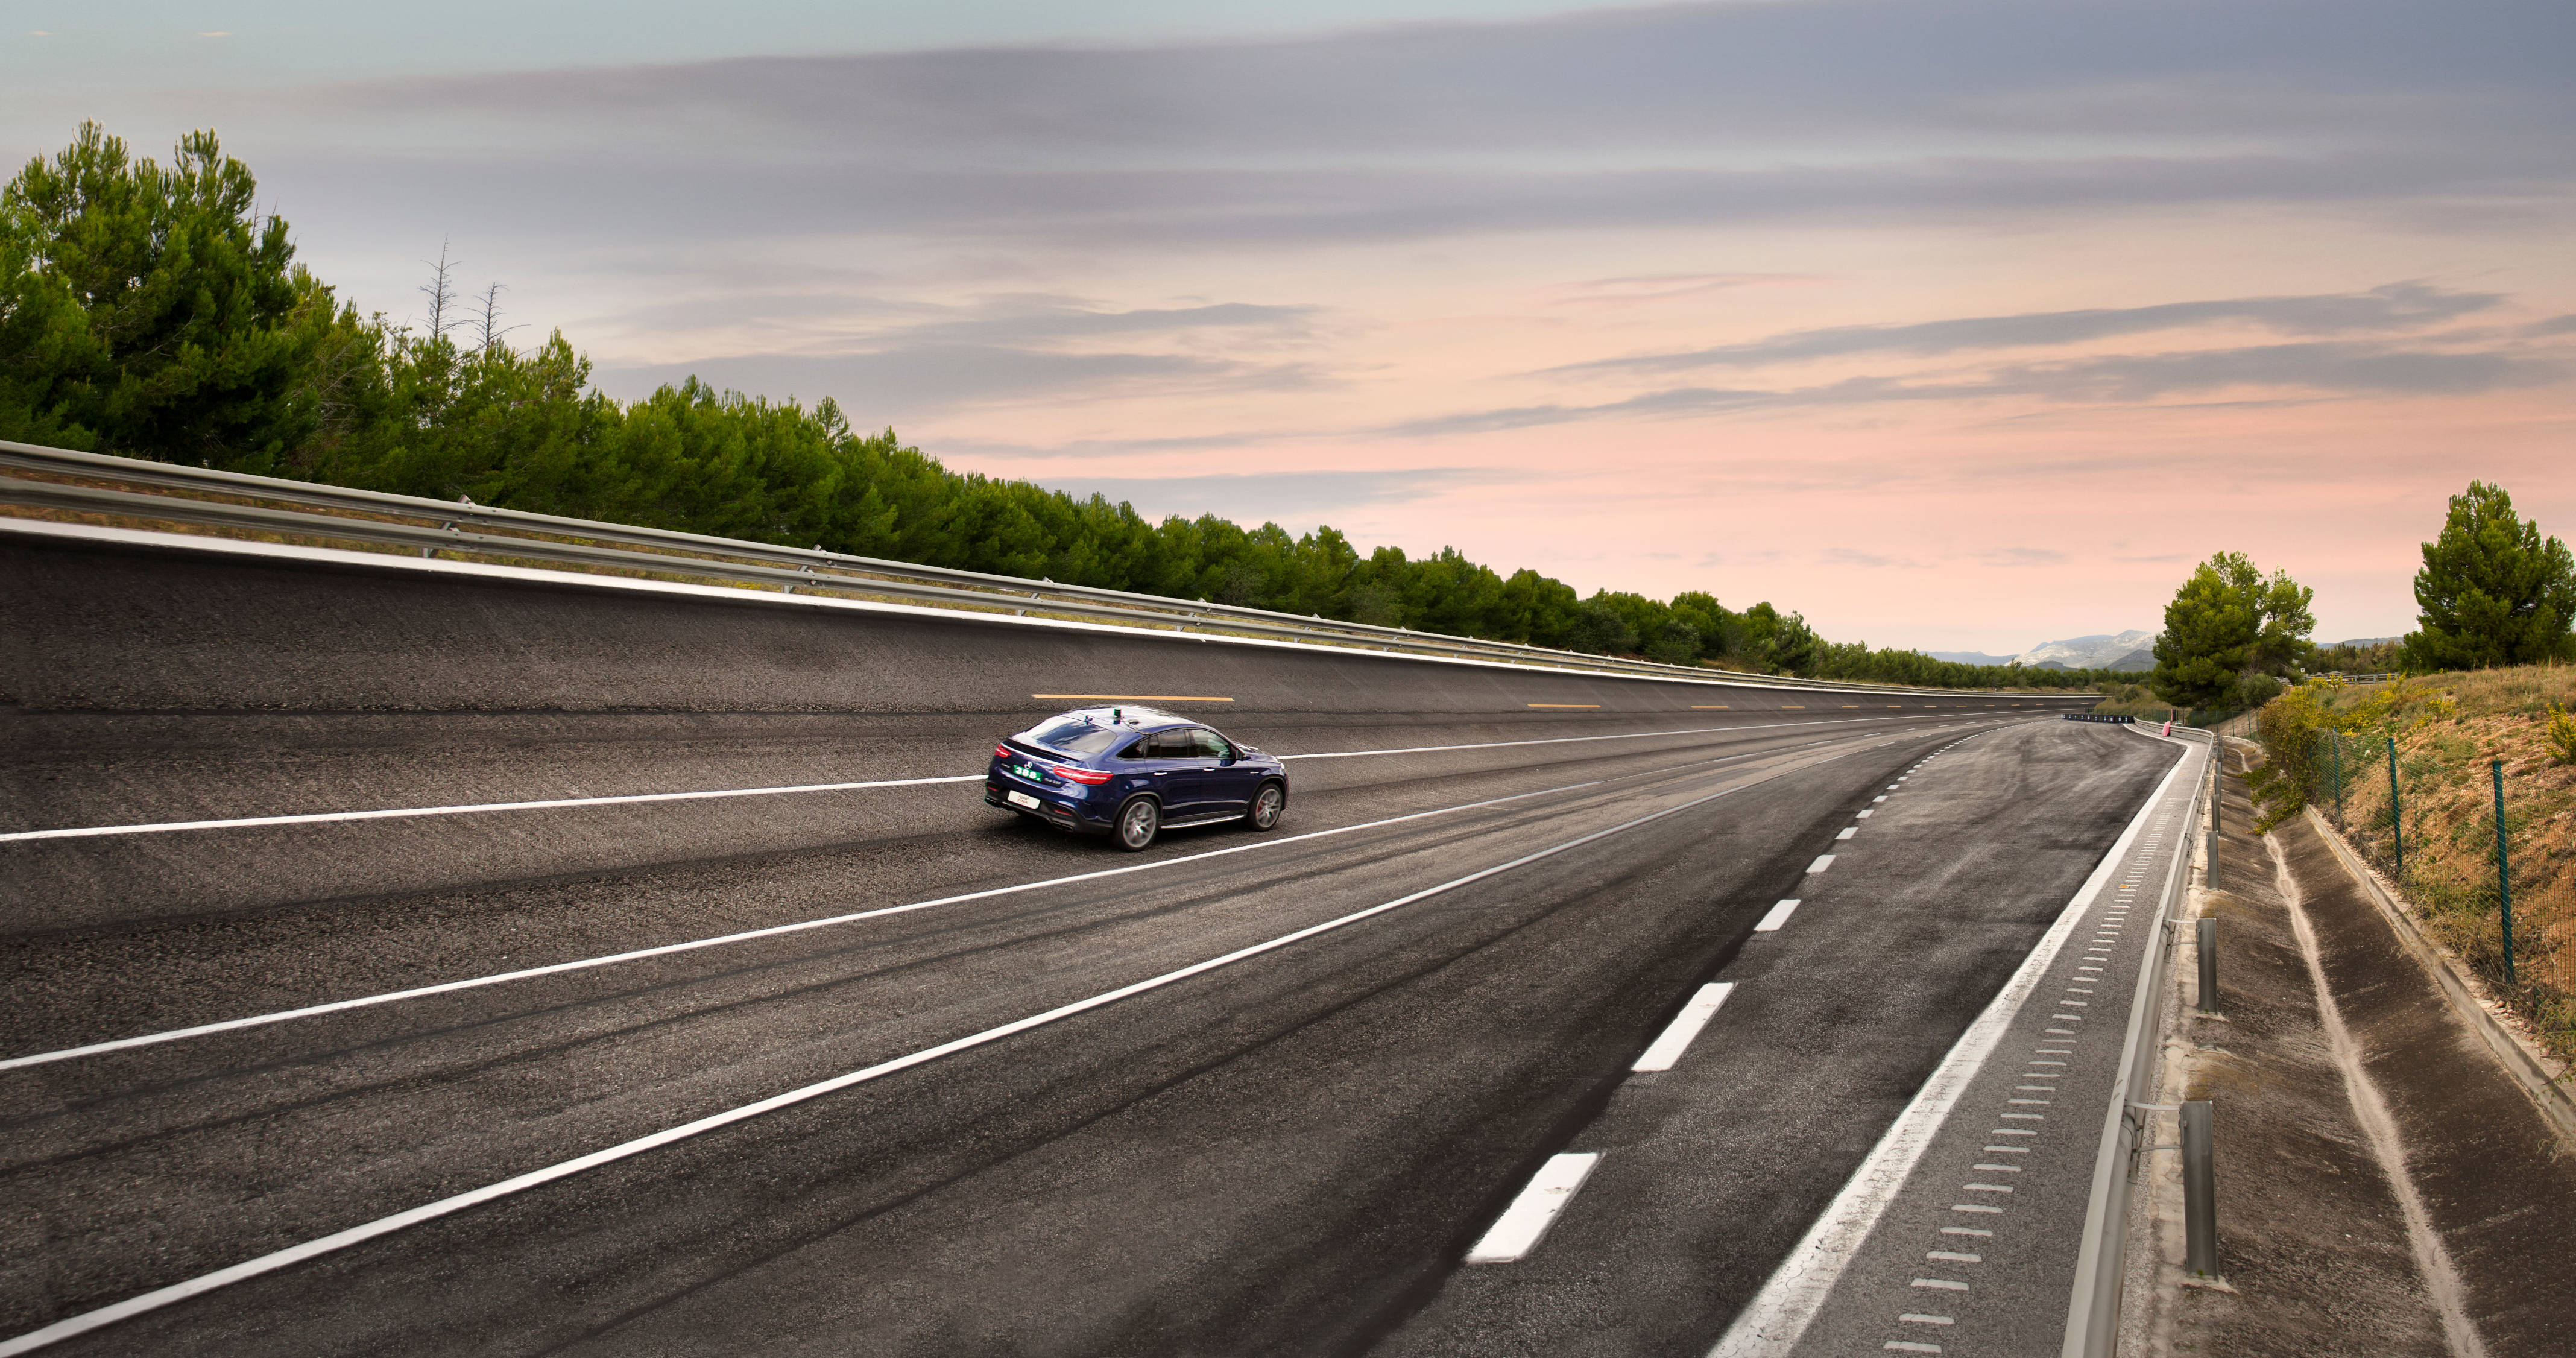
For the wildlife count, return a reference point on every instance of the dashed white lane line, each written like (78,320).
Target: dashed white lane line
(1847,832)
(1779,915)
(1860,815)
(448,1206)
(556,803)
(1516,1232)
(1677,1035)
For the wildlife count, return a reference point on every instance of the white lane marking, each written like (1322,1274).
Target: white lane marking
(320,817)
(1953,1256)
(1909,1346)
(719,940)
(1848,831)
(1860,815)
(1516,1232)
(1677,1035)
(639,954)
(477,808)
(1823,861)
(313,1249)
(1779,915)
(1941,1284)
(1927,1320)
(1771,1324)
(1876,800)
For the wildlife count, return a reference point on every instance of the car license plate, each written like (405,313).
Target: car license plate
(1022,799)
(1024,771)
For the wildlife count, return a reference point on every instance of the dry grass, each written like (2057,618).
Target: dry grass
(2445,765)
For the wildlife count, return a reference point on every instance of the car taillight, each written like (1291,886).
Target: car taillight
(1086,777)
(1001,752)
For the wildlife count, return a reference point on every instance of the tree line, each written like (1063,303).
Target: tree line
(2493,590)
(151,311)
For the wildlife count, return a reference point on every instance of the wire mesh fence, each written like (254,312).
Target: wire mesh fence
(2476,830)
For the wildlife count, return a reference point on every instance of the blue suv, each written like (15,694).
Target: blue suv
(1127,772)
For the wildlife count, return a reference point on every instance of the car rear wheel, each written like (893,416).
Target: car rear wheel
(1137,822)
(1267,806)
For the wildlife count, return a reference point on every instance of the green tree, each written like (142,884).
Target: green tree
(2231,635)
(2493,591)
(161,316)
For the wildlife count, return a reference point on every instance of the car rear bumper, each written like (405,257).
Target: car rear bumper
(1062,816)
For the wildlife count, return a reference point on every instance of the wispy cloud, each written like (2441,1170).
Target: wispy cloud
(2395,307)
(2336,366)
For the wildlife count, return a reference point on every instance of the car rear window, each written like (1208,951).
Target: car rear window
(1075,737)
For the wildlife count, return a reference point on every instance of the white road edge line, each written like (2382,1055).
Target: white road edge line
(1516,1231)
(1771,1324)
(1779,916)
(1677,1035)
(478,808)
(339,1240)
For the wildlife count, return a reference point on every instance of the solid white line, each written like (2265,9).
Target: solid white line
(477,808)
(1770,1325)
(1516,1231)
(639,954)
(319,817)
(296,1254)
(1779,915)
(691,945)
(1677,1035)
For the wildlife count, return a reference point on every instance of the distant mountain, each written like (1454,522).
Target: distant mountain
(2356,644)
(2127,652)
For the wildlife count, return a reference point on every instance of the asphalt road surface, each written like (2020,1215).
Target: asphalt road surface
(1290,1151)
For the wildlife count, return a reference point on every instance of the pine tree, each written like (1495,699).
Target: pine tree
(2493,591)
(168,319)
(2231,634)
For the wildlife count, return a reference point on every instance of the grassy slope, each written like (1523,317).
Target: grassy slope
(2450,828)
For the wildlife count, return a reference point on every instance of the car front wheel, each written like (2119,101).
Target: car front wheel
(1137,822)
(1267,806)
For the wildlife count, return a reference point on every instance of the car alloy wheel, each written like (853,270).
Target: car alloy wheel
(1137,822)
(1267,804)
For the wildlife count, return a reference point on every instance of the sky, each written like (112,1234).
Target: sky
(1952,324)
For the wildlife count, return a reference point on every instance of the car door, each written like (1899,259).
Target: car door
(1171,761)
(1225,784)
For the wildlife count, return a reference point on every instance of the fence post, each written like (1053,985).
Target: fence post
(2396,820)
(2199,1191)
(2334,741)
(2504,871)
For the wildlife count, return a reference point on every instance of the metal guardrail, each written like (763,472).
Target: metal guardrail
(2093,1328)
(164,494)
(2116,718)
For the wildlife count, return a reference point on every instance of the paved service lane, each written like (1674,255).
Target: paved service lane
(1711,1171)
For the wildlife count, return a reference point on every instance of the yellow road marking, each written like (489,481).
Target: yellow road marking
(1793,707)
(1564,704)
(1708,707)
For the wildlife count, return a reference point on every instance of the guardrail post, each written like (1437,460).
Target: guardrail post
(2504,870)
(2209,878)
(2199,1191)
(2205,944)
